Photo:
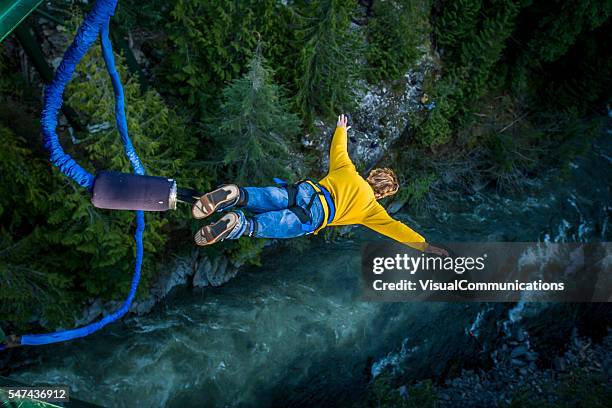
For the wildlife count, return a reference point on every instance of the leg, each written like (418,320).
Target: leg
(234,224)
(264,199)
(277,224)
(281,223)
(254,199)
(271,224)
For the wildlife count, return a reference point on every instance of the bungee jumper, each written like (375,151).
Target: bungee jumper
(342,197)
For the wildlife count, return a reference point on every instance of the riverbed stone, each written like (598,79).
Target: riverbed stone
(90,313)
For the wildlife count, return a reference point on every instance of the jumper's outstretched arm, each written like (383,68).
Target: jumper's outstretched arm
(338,152)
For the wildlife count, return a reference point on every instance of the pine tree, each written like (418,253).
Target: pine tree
(328,60)
(56,250)
(557,32)
(27,286)
(394,31)
(456,24)
(255,126)
(211,44)
(473,40)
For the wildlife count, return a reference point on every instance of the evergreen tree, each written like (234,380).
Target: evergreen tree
(549,31)
(255,126)
(394,31)
(27,285)
(473,39)
(55,248)
(558,29)
(457,23)
(329,58)
(211,43)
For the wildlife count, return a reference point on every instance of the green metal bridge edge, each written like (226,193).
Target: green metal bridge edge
(13,12)
(4,403)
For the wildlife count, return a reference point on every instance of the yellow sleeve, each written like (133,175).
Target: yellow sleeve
(338,152)
(379,221)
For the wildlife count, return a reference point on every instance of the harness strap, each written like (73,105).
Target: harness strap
(303,214)
(292,206)
(321,194)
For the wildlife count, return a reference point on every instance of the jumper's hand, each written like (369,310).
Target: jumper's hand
(342,121)
(436,251)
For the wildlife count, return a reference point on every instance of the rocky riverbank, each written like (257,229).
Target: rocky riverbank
(513,368)
(579,377)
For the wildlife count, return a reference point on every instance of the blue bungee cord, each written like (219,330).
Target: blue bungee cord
(96,23)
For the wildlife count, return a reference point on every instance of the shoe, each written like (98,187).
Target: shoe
(217,231)
(222,197)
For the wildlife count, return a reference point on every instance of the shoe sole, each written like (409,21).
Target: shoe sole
(213,201)
(217,231)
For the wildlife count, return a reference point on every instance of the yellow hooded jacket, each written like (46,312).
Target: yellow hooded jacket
(354,198)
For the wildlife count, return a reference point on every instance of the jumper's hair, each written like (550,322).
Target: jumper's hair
(383,182)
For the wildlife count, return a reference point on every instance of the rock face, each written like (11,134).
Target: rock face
(204,270)
(381,117)
(214,272)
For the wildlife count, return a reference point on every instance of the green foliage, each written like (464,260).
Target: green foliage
(211,43)
(474,39)
(246,251)
(159,134)
(548,59)
(382,393)
(255,126)
(26,289)
(557,32)
(433,127)
(577,387)
(394,32)
(417,188)
(456,24)
(479,41)
(166,148)
(328,62)
(56,249)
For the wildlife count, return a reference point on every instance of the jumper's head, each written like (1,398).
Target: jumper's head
(383,182)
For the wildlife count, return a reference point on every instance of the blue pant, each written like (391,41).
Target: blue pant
(271,218)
